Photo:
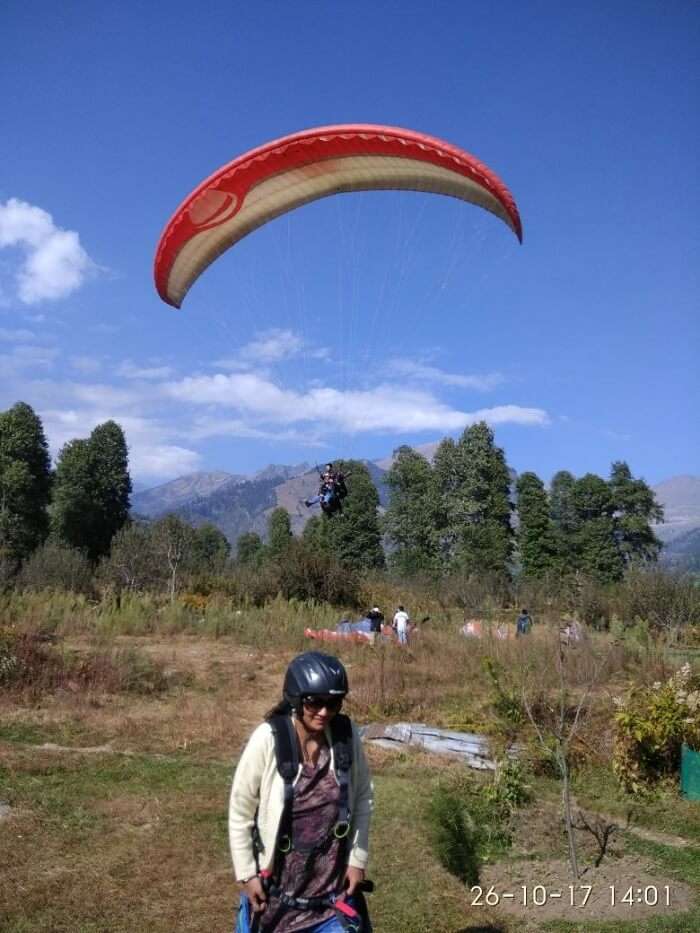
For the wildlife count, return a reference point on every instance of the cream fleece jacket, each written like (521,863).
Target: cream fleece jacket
(257,796)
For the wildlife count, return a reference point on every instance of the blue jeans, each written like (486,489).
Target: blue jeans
(333,925)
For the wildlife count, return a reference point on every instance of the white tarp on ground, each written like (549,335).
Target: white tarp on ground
(473,749)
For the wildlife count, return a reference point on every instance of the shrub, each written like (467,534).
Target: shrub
(651,724)
(55,566)
(509,788)
(452,835)
(307,574)
(115,671)
(9,660)
(506,701)
(667,602)
(471,823)
(28,661)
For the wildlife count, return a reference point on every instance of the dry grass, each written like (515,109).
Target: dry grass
(137,841)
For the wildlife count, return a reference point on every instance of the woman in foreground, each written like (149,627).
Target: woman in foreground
(300,809)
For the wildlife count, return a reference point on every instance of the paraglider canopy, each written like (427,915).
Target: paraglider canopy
(294,170)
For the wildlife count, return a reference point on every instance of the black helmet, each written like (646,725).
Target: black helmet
(314,674)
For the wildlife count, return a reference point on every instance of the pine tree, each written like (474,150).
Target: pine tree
(210,549)
(537,543)
(25,482)
(248,547)
(446,481)
(410,519)
(477,502)
(279,532)
(597,551)
(564,518)
(315,534)
(354,536)
(92,489)
(111,484)
(73,509)
(635,509)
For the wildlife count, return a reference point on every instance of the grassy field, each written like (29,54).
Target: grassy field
(117,797)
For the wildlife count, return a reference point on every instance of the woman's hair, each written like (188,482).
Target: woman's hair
(283,708)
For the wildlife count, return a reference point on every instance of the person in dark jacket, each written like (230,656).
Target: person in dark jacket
(376,617)
(523,623)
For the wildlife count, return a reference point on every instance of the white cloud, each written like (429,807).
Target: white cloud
(131,371)
(269,347)
(105,396)
(149,453)
(54,265)
(23,357)
(412,370)
(212,426)
(11,336)
(272,346)
(385,407)
(86,364)
(163,461)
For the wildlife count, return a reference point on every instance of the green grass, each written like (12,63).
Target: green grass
(69,798)
(666,813)
(69,732)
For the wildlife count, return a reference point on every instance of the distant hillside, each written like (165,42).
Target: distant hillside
(170,496)
(281,472)
(680,532)
(234,508)
(237,504)
(683,551)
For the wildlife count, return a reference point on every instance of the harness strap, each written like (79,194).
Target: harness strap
(341,734)
(350,919)
(287,758)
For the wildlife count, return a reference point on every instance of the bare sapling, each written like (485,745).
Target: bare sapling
(557,721)
(600,828)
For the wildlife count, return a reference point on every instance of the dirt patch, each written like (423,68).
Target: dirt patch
(628,888)
(136,812)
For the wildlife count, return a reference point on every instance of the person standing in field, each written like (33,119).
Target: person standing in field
(299,842)
(523,623)
(400,625)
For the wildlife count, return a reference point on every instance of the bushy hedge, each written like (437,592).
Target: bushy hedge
(651,724)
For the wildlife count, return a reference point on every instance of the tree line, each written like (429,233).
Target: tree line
(58,525)
(462,513)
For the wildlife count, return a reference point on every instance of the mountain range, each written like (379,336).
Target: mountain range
(236,503)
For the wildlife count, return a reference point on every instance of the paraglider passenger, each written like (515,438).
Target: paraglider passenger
(331,491)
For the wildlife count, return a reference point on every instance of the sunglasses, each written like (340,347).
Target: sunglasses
(332,704)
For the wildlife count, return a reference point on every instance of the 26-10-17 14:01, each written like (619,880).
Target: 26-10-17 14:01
(577,895)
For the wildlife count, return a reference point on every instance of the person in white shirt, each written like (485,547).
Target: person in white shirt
(400,624)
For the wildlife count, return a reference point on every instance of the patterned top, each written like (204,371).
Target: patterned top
(314,814)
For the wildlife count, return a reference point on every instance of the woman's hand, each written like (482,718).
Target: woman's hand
(353,877)
(256,894)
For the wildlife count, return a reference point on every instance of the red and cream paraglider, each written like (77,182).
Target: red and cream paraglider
(284,174)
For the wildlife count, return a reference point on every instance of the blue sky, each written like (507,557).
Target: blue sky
(580,346)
